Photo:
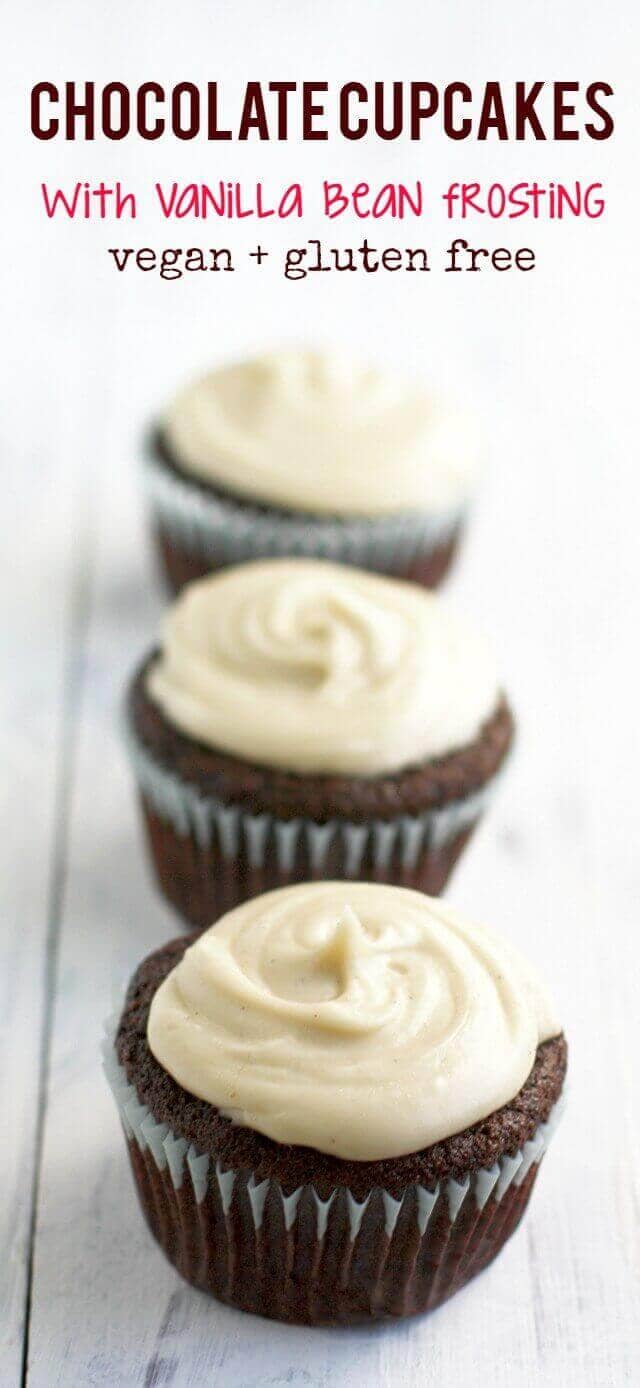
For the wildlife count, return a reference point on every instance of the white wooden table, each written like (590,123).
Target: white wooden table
(550,568)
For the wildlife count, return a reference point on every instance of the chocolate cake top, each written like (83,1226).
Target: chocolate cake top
(320,668)
(381,1033)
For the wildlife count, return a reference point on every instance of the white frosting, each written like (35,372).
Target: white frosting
(318,667)
(362,1020)
(313,432)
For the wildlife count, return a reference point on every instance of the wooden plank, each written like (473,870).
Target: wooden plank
(36,714)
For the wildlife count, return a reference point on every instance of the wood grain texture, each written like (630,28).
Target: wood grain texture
(550,568)
(35,720)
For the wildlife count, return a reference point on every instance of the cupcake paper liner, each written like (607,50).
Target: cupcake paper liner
(236,828)
(209,856)
(316,1258)
(217,531)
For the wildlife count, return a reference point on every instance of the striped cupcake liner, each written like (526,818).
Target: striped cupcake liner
(303,1256)
(260,838)
(217,530)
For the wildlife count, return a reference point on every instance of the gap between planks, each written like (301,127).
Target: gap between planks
(77,626)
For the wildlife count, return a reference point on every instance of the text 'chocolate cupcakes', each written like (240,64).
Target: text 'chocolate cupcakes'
(307,720)
(306,453)
(336,1101)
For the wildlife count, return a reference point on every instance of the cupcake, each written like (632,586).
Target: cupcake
(307,720)
(302,454)
(336,1100)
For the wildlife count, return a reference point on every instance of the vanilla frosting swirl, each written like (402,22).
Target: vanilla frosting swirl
(362,1020)
(315,432)
(321,668)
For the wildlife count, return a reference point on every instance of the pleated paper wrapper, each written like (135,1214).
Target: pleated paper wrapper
(312,1257)
(209,856)
(203,530)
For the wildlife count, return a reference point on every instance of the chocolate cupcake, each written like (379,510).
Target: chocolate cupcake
(336,1101)
(302,454)
(307,720)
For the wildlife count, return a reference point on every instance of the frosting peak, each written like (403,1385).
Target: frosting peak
(319,432)
(319,668)
(363,1020)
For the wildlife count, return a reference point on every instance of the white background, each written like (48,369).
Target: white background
(550,569)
